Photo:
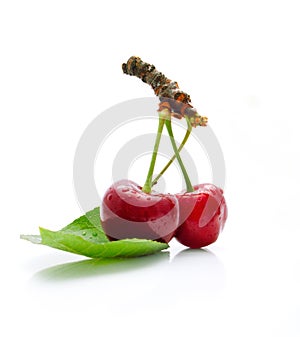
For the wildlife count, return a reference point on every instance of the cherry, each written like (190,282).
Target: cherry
(202,215)
(128,212)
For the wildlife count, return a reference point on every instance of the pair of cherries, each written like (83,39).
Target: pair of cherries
(195,218)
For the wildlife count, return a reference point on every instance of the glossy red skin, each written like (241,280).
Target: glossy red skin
(128,212)
(203,214)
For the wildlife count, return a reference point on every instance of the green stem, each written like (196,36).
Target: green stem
(148,182)
(189,187)
(186,137)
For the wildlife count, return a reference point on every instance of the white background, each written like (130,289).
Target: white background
(60,66)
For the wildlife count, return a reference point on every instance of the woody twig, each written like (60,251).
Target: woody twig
(168,91)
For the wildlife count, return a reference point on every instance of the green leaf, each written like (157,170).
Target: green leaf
(88,227)
(85,236)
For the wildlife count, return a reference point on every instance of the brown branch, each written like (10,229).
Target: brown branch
(165,89)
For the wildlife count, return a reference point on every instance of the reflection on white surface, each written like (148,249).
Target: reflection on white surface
(187,276)
(193,274)
(199,269)
(90,268)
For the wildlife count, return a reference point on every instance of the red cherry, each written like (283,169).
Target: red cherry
(202,216)
(128,212)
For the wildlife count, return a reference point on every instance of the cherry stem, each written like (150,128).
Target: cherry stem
(161,123)
(186,137)
(189,187)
